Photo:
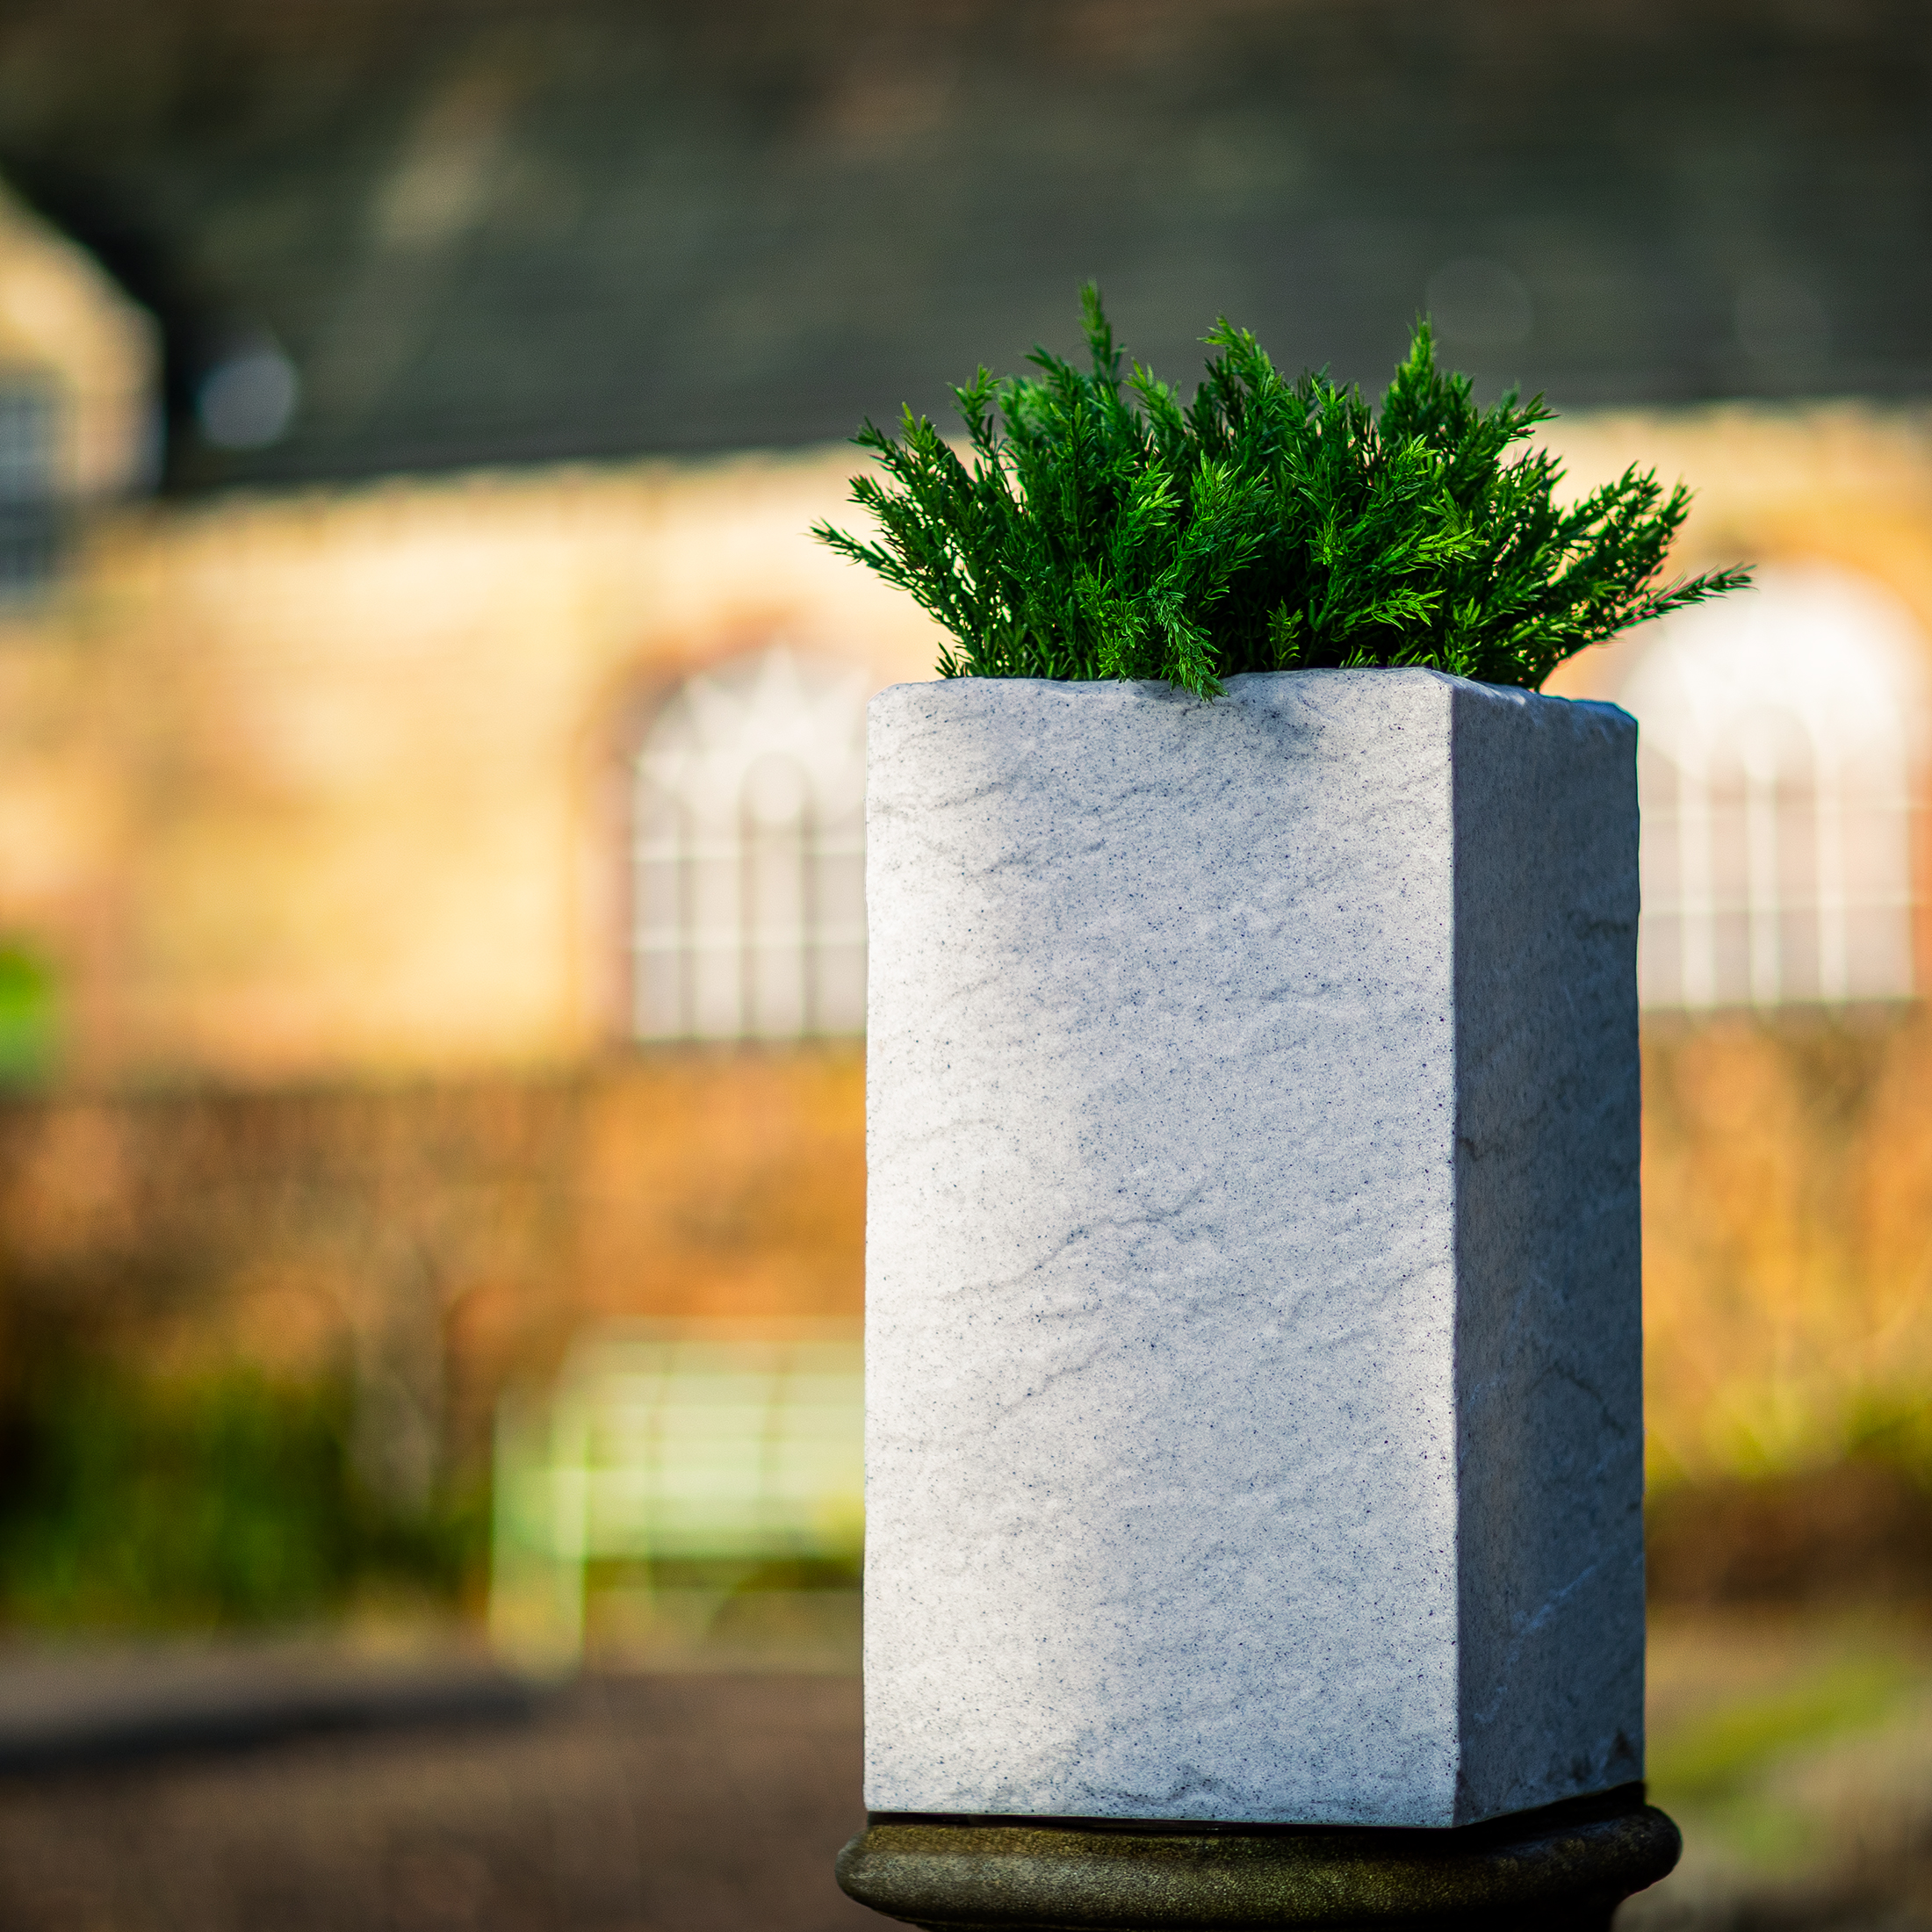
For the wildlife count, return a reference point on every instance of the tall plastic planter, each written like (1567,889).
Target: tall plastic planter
(1254,1425)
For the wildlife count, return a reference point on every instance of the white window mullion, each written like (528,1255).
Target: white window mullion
(1763,895)
(1828,823)
(1696,921)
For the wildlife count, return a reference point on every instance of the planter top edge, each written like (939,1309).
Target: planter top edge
(1246,690)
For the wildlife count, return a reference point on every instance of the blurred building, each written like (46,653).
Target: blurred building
(432,751)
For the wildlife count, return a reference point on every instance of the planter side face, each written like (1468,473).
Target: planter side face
(1166,1282)
(1549,1369)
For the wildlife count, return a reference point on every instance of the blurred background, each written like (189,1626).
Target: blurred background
(431,952)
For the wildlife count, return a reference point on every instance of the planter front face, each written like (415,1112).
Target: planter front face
(1253,1383)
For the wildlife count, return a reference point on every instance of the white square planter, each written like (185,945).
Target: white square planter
(1254,1423)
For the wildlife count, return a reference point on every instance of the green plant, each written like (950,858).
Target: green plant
(1101,529)
(220,1498)
(30,1017)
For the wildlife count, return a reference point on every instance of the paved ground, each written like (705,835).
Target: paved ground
(671,1803)
(270,1788)
(74,1705)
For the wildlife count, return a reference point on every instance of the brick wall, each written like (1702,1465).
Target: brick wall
(330,783)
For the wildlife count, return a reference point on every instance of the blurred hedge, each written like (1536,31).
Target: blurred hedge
(221,1498)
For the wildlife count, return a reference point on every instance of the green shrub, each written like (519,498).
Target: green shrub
(30,1016)
(221,1498)
(1101,529)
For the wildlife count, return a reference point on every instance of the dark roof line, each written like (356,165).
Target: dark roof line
(497,231)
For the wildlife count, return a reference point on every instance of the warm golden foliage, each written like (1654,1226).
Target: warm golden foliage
(1788,1239)
(439,1239)
(448,1238)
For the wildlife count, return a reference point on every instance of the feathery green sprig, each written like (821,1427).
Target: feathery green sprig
(1097,528)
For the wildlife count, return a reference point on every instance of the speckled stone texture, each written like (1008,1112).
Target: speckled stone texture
(1254,1411)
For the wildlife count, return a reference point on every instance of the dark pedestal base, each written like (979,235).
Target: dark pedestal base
(1563,1869)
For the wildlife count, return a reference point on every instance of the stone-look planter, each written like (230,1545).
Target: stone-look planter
(1254,1404)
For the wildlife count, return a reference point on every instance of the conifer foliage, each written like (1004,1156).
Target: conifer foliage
(1098,528)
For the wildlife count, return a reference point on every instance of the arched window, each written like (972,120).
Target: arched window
(748,859)
(1775,742)
(29,484)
